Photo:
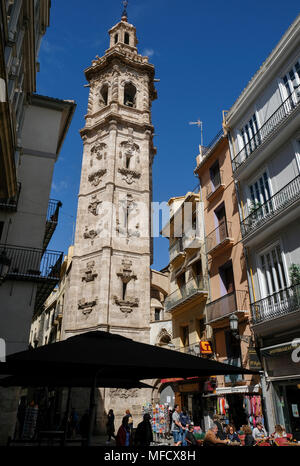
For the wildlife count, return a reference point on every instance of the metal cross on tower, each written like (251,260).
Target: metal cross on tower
(125,4)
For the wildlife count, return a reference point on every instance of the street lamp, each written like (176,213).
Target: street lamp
(4,266)
(234,327)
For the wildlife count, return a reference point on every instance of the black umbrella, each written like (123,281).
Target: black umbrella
(58,380)
(113,356)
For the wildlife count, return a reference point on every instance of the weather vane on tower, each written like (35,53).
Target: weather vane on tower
(125,4)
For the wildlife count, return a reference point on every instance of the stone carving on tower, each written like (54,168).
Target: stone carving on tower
(110,277)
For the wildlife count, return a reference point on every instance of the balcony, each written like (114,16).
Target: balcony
(288,108)
(12,203)
(193,291)
(277,305)
(219,239)
(215,187)
(35,265)
(191,240)
(51,221)
(285,198)
(176,251)
(236,302)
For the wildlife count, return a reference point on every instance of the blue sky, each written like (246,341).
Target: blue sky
(204,53)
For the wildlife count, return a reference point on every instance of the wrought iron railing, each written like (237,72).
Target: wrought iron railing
(187,291)
(213,142)
(214,183)
(11,203)
(278,304)
(32,264)
(282,112)
(219,235)
(281,200)
(238,300)
(53,210)
(175,248)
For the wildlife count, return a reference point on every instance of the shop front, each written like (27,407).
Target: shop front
(234,405)
(282,366)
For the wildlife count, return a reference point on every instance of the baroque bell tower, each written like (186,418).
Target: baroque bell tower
(109,286)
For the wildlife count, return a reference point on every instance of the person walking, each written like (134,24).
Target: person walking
(176,425)
(123,437)
(185,421)
(110,426)
(130,420)
(143,435)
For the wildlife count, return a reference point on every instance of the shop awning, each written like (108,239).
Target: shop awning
(232,390)
(278,350)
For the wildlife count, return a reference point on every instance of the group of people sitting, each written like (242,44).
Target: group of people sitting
(218,436)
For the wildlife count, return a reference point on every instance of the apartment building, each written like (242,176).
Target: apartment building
(188,295)
(32,131)
(228,307)
(264,134)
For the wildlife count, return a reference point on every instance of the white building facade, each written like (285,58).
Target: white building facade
(264,136)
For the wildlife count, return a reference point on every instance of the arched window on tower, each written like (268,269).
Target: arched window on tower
(126,38)
(130,95)
(116,38)
(104,95)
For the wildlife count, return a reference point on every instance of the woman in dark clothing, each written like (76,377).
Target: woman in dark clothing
(220,434)
(143,435)
(123,436)
(110,425)
(231,434)
(249,440)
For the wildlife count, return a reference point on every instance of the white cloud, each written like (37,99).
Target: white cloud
(148,52)
(60,186)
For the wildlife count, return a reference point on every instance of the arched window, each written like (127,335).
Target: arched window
(126,38)
(130,95)
(116,38)
(104,94)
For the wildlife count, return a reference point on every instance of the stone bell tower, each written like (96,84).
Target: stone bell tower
(109,285)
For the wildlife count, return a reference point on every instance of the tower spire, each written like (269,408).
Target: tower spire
(124,14)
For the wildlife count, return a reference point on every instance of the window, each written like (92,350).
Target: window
(181,283)
(250,135)
(197,270)
(260,193)
(215,177)
(116,38)
(221,232)
(185,335)
(129,95)
(201,328)
(272,271)
(104,95)
(227,278)
(157,314)
(292,79)
(126,38)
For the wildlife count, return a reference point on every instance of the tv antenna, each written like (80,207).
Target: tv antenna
(199,123)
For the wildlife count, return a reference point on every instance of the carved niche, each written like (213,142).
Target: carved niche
(86,307)
(95,178)
(129,152)
(89,276)
(126,303)
(123,227)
